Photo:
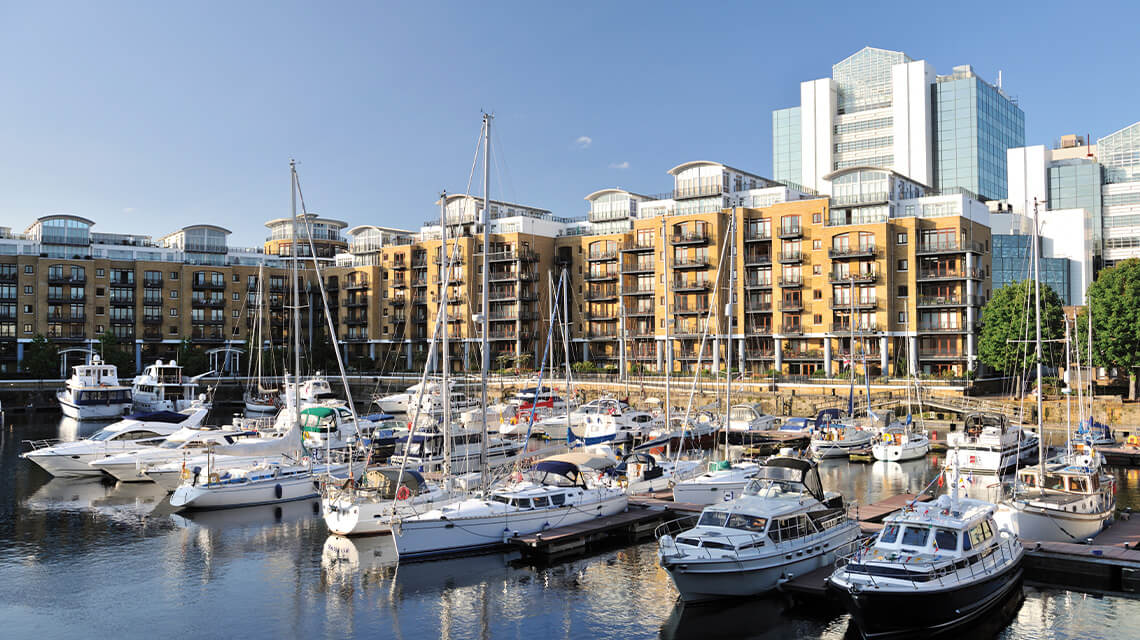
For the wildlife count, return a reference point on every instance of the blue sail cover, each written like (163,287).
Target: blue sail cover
(169,417)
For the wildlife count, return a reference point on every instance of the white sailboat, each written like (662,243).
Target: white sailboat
(258,398)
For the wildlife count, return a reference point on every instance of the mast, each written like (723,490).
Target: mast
(1069,396)
(668,351)
(296,303)
(445,390)
(1037,351)
(730,312)
(566,342)
(486,364)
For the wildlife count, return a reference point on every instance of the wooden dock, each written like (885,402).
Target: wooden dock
(634,524)
(875,512)
(1120,456)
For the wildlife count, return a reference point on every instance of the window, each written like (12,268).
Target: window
(173,275)
(945,540)
(99,273)
(98,328)
(27,289)
(98,311)
(557,499)
(902,291)
(817,244)
(236,278)
(915,536)
(173,294)
(818,319)
(746,522)
(27,327)
(712,519)
(100,292)
(900,238)
(817,294)
(817,269)
(173,330)
(817,218)
(902,265)
(902,317)
(236,313)
(237,296)
(29,269)
(174,313)
(27,308)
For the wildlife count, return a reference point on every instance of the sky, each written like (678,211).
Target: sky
(146,117)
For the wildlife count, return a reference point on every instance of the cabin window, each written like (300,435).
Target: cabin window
(501,499)
(987,529)
(1029,480)
(557,499)
(915,536)
(977,536)
(789,529)
(138,435)
(1078,485)
(946,540)
(541,501)
(889,534)
(966,535)
(712,519)
(1055,482)
(522,503)
(747,522)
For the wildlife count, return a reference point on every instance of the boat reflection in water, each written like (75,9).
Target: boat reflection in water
(765,617)
(122,500)
(246,517)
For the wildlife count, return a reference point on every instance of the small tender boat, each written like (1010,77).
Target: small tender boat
(93,392)
(782,526)
(72,459)
(934,567)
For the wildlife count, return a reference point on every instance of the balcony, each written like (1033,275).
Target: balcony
(757,283)
(452,260)
(419,283)
(398,301)
(694,354)
(690,238)
(638,291)
(502,276)
(419,298)
(399,283)
(949,247)
(697,191)
(503,295)
(792,329)
(9,276)
(842,253)
(639,354)
(641,313)
(602,276)
(356,284)
(356,301)
(860,327)
(152,320)
(757,306)
(152,334)
(646,266)
(757,259)
(927,327)
(597,294)
(210,303)
(602,316)
(949,274)
(791,282)
(691,263)
(528,276)
(504,334)
(64,298)
(940,355)
(947,301)
(857,277)
(791,305)
(356,320)
(66,279)
(354,336)
(757,235)
(60,317)
(791,257)
(208,285)
(156,283)
(688,309)
(858,305)
(121,301)
(759,354)
(400,265)
(797,355)
(691,285)
(600,256)
(791,231)
(603,333)
(637,247)
(420,262)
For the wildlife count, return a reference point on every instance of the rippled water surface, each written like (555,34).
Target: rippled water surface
(88,558)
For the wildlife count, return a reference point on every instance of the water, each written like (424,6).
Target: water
(82,558)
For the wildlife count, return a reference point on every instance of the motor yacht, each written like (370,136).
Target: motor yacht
(784,525)
(723,481)
(934,567)
(746,422)
(406,400)
(837,440)
(990,444)
(1069,500)
(612,423)
(899,442)
(162,387)
(331,425)
(93,392)
(72,459)
(131,466)
(558,491)
(365,506)
(644,473)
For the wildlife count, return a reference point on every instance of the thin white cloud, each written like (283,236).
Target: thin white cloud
(624,164)
(584,142)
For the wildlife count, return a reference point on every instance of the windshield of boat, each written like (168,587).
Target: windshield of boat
(741,413)
(104,434)
(915,536)
(771,480)
(746,522)
(713,519)
(171,444)
(889,534)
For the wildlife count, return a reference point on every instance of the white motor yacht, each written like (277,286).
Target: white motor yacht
(783,525)
(366,506)
(558,491)
(746,422)
(131,466)
(425,448)
(722,482)
(93,392)
(1070,500)
(644,473)
(989,444)
(934,567)
(315,390)
(330,425)
(162,387)
(613,422)
(839,440)
(899,442)
(405,401)
(72,459)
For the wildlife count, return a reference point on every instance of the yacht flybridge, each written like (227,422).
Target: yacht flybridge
(782,526)
(989,443)
(162,387)
(93,392)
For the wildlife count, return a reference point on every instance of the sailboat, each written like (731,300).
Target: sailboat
(1070,499)
(901,441)
(257,398)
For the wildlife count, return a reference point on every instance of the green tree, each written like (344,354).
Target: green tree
(1115,301)
(41,358)
(193,358)
(1008,322)
(114,352)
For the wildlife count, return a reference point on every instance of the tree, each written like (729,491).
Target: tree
(193,358)
(1007,324)
(1115,301)
(41,358)
(114,352)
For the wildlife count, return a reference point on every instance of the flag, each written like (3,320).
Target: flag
(908,419)
(941,479)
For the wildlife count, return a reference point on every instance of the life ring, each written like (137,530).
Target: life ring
(306,461)
(403,493)
(213,478)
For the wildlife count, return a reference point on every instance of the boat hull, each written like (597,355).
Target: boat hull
(700,580)
(899,453)
(92,411)
(1050,525)
(708,492)
(910,613)
(347,517)
(64,465)
(281,490)
(425,538)
(993,459)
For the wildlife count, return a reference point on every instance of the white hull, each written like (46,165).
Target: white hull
(347,517)
(708,492)
(992,459)
(699,580)
(148,405)
(837,448)
(92,411)
(397,403)
(418,538)
(900,453)
(1050,525)
(170,476)
(72,465)
(256,407)
(244,494)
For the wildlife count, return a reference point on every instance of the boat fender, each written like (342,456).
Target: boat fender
(277,491)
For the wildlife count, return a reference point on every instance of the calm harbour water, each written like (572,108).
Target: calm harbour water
(88,558)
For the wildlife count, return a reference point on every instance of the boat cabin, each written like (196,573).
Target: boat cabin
(1061,477)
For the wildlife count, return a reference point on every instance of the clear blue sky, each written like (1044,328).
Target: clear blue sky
(148,116)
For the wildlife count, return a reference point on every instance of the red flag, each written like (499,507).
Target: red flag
(940,480)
